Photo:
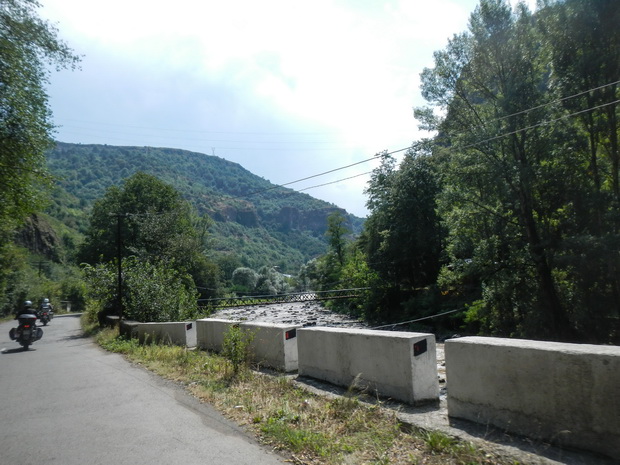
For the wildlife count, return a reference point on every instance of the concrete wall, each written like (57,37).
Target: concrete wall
(568,394)
(382,361)
(181,333)
(274,345)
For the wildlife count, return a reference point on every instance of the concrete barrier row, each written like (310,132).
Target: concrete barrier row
(402,366)
(567,394)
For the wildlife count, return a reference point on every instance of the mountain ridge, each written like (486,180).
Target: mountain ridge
(259,222)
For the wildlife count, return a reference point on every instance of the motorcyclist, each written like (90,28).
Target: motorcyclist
(26,309)
(46,304)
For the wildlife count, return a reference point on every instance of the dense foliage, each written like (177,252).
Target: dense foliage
(152,291)
(28,46)
(512,209)
(147,219)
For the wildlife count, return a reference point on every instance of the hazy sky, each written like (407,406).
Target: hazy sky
(288,89)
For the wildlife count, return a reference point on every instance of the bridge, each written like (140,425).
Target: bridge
(281,298)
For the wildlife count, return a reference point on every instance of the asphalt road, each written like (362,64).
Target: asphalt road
(66,401)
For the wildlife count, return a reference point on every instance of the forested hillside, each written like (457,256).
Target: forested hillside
(253,220)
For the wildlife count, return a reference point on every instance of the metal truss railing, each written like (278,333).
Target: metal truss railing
(281,298)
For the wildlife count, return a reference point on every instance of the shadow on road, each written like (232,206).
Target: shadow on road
(75,337)
(17,350)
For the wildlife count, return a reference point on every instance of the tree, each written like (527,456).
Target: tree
(27,45)
(499,165)
(244,279)
(270,281)
(336,232)
(530,173)
(403,236)
(153,222)
(153,291)
(584,44)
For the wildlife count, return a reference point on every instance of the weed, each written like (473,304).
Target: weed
(438,442)
(236,347)
(322,430)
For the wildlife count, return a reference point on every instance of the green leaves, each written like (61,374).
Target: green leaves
(152,291)
(27,44)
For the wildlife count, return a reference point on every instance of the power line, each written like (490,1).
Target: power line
(552,102)
(381,154)
(543,123)
(392,325)
(334,182)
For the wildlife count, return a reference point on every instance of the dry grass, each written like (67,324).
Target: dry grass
(308,428)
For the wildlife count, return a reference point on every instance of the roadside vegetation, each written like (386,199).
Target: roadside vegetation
(309,428)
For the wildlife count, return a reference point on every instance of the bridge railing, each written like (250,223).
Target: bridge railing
(281,298)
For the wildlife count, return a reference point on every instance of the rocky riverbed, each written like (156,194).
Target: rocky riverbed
(296,313)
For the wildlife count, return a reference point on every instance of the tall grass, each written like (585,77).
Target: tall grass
(309,428)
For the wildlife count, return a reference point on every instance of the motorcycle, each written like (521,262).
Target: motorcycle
(45,315)
(26,332)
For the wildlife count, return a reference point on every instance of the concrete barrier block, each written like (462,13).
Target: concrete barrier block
(274,345)
(126,328)
(210,333)
(181,333)
(400,365)
(568,394)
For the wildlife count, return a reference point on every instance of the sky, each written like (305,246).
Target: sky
(288,89)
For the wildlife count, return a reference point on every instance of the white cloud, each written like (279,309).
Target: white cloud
(297,88)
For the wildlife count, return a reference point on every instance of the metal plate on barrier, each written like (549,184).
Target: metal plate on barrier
(419,347)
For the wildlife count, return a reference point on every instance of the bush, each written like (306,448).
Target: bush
(236,346)
(151,291)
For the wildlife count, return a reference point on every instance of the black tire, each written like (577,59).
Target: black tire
(45,323)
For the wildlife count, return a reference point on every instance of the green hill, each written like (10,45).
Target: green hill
(255,221)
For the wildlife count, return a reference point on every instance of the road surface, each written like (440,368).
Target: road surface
(66,401)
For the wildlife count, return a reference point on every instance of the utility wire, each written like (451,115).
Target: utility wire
(334,182)
(381,154)
(392,325)
(543,123)
(552,102)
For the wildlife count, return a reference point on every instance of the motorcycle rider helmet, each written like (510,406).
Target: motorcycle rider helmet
(27,304)
(46,301)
